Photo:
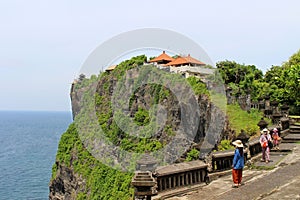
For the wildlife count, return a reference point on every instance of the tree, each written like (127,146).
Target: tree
(293,84)
(293,60)
(274,76)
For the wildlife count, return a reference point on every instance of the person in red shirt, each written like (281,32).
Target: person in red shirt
(276,138)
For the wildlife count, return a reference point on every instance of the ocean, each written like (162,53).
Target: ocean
(28,145)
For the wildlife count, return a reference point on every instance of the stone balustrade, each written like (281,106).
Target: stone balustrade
(254,146)
(222,160)
(181,174)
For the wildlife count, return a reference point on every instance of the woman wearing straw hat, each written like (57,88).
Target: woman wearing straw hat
(264,139)
(238,163)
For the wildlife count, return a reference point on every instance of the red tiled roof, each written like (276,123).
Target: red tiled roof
(162,57)
(184,61)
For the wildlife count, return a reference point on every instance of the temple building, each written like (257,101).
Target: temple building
(162,59)
(185,65)
(185,61)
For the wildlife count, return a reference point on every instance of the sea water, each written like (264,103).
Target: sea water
(28,145)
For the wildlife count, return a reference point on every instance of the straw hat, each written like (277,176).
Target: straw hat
(265,130)
(238,143)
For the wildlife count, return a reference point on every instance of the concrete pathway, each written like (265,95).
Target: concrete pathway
(279,179)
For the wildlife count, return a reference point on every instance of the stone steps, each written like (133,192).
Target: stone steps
(295,129)
(284,147)
(291,138)
(293,135)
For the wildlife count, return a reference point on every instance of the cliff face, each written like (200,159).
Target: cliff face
(77,175)
(67,184)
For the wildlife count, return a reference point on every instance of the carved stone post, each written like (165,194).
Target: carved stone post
(143,181)
(244,137)
(285,110)
(262,124)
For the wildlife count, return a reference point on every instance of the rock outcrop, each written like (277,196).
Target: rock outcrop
(67,184)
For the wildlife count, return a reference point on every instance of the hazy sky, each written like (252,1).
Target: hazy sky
(44,43)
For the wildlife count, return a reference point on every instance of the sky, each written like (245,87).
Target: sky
(44,43)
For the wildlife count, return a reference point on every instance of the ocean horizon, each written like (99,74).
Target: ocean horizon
(29,143)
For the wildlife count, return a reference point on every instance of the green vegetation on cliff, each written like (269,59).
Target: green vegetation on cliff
(102,182)
(197,85)
(140,114)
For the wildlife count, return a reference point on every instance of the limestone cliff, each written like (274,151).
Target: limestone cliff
(67,184)
(77,175)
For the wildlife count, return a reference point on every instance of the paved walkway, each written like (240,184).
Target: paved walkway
(280,181)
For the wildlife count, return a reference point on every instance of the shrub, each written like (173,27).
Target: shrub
(197,85)
(192,155)
(225,145)
(141,117)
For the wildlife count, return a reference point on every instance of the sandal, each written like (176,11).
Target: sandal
(235,186)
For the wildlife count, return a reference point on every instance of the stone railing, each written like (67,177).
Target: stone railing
(192,173)
(181,174)
(184,175)
(222,160)
(254,147)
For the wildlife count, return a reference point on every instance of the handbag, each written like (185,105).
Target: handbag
(270,144)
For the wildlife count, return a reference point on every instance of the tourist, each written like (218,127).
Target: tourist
(265,142)
(238,163)
(276,138)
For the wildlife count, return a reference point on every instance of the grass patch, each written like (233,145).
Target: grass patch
(240,119)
